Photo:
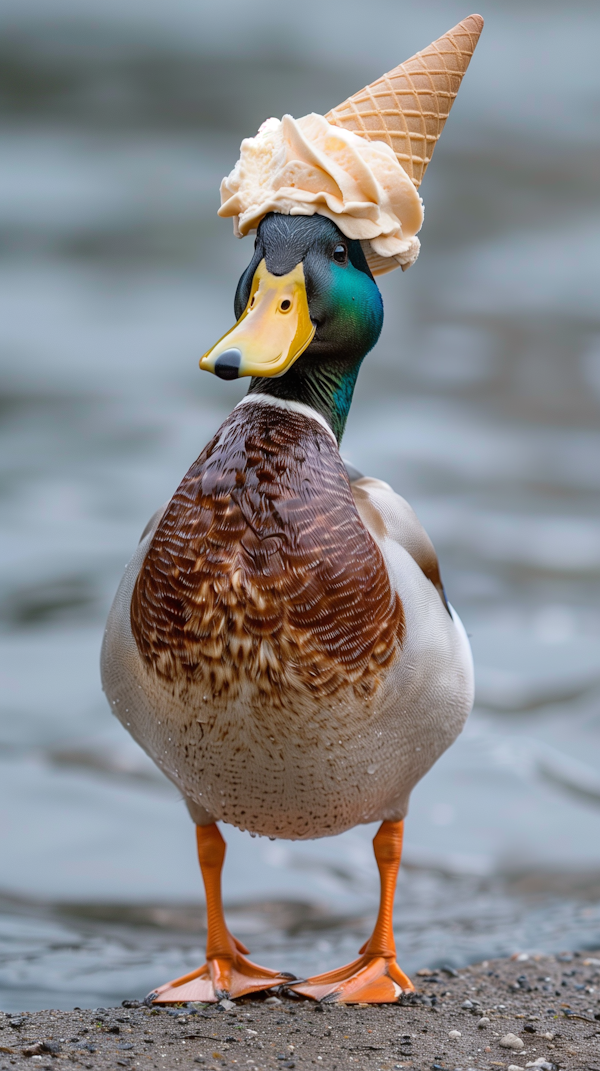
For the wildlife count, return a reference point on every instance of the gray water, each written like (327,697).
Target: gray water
(480,405)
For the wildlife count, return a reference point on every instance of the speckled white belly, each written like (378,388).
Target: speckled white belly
(301,768)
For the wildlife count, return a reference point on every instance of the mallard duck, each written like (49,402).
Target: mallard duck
(281,644)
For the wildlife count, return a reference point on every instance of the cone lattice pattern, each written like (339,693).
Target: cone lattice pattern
(407,107)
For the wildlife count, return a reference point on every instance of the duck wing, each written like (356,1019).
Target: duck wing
(385,513)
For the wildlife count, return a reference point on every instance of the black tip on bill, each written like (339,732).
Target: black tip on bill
(228,364)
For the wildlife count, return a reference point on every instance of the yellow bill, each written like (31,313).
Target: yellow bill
(272,332)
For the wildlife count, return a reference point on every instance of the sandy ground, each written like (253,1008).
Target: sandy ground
(539,1011)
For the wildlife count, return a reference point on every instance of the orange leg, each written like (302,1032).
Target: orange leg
(375,977)
(227,972)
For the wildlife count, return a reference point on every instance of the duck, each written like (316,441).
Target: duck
(281,643)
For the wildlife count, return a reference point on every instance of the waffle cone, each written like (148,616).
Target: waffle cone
(407,107)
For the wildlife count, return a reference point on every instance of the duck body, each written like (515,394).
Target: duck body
(281,644)
(275,645)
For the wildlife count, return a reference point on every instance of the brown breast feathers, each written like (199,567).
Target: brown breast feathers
(261,569)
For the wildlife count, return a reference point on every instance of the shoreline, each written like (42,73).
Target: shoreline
(520,1012)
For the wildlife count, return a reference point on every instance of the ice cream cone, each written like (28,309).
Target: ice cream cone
(407,107)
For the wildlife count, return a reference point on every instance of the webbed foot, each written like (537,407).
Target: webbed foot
(227,972)
(375,977)
(367,980)
(228,976)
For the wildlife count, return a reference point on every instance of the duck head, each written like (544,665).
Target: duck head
(308,312)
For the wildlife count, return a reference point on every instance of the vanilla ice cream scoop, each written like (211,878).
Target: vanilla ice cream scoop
(304,166)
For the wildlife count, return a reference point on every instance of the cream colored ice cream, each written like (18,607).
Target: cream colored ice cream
(304,166)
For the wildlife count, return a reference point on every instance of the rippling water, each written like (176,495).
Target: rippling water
(480,405)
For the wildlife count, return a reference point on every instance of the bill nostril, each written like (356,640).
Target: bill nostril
(227,364)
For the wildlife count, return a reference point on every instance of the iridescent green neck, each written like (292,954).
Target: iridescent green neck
(327,386)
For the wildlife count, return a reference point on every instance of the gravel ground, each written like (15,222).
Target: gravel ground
(528,1011)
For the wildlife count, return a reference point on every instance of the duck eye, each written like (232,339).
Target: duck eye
(339,254)
(285,305)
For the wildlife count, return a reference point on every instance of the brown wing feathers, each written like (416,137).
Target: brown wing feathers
(262,570)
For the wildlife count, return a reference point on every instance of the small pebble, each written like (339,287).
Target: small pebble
(455,1034)
(229,1005)
(34,1050)
(515,1067)
(483,1022)
(467,1004)
(511,1041)
(271,1000)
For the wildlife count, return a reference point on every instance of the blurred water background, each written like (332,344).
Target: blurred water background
(480,405)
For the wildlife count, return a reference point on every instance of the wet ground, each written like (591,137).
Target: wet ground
(480,405)
(541,1012)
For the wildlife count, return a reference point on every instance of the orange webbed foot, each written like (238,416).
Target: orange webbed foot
(227,972)
(375,977)
(221,976)
(367,980)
